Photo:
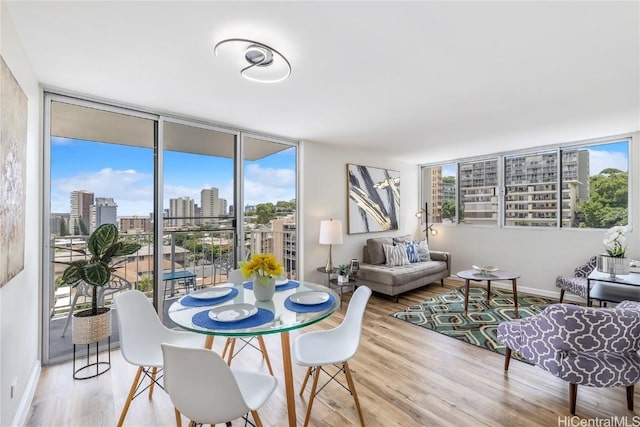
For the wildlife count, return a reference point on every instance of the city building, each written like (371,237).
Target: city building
(135,224)
(209,204)
(103,211)
(181,212)
(59,224)
(80,216)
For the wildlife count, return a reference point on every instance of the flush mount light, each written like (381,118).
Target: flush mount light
(257,61)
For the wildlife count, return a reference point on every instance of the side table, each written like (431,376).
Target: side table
(339,286)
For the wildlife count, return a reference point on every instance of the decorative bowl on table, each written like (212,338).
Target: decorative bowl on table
(485,269)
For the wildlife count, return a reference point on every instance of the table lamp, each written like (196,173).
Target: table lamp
(330,234)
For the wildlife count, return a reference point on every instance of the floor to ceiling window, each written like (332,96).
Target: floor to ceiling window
(175,186)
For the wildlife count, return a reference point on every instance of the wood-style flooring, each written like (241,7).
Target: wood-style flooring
(405,376)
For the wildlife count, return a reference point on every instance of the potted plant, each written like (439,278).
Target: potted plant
(343,273)
(615,260)
(263,268)
(104,247)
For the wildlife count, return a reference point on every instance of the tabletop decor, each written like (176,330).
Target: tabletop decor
(615,244)
(106,251)
(263,268)
(190,301)
(308,308)
(262,316)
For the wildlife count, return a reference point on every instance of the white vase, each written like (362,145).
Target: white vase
(613,265)
(264,292)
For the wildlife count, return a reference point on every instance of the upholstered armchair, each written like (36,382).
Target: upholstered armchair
(596,347)
(577,284)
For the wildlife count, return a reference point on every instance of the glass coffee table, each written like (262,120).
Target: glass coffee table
(477,276)
(603,287)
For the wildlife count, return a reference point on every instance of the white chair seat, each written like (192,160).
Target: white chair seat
(203,388)
(256,388)
(333,347)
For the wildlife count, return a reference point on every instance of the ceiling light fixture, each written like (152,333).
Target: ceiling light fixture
(265,64)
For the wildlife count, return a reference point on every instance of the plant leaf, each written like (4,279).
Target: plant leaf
(102,238)
(72,274)
(128,249)
(96,274)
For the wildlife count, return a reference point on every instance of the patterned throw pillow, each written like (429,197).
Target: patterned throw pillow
(395,255)
(423,250)
(412,251)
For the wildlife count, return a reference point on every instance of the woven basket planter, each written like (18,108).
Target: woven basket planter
(87,328)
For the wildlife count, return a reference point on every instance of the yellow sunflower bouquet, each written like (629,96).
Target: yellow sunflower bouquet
(261,266)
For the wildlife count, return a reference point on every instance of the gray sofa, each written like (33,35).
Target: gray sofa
(395,280)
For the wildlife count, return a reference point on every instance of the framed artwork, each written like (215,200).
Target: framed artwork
(373,199)
(13,153)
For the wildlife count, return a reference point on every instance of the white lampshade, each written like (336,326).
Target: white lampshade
(330,232)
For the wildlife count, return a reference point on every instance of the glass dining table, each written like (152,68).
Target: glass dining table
(232,311)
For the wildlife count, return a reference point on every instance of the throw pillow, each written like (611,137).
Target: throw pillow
(423,250)
(375,249)
(395,255)
(403,239)
(412,251)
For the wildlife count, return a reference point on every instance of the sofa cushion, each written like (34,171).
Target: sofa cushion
(375,249)
(423,250)
(403,239)
(412,251)
(401,274)
(395,255)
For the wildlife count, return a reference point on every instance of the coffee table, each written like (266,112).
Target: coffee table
(476,276)
(603,287)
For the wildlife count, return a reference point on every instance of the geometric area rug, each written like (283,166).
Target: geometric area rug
(445,314)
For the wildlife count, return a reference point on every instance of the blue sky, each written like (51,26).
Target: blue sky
(125,173)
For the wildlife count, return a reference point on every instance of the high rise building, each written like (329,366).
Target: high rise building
(59,224)
(209,205)
(80,216)
(222,203)
(181,211)
(135,224)
(103,211)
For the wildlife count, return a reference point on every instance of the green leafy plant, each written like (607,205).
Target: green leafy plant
(103,246)
(343,270)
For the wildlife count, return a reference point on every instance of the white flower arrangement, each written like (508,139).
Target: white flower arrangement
(615,241)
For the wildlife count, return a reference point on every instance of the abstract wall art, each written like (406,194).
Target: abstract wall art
(13,148)
(373,199)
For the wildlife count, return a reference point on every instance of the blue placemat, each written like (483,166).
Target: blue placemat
(303,308)
(189,301)
(203,320)
(289,285)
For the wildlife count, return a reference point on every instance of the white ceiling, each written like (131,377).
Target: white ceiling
(419,81)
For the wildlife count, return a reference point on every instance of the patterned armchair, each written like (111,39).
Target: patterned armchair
(596,347)
(578,283)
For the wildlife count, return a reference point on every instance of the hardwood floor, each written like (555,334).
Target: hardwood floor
(405,376)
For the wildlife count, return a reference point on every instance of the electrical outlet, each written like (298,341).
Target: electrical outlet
(14,385)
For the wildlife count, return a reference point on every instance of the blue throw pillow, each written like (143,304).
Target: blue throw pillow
(412,251)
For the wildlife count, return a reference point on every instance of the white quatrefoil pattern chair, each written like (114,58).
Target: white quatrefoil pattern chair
(204,389)
(333,347)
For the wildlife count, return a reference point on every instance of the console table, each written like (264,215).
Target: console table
(603,287)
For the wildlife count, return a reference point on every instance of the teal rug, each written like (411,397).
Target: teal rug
(445,314)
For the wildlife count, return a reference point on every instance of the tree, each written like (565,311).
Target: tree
(265,212)
(449,209)
(608,200)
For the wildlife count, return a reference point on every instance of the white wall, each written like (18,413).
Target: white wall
(19,306)
(323,188)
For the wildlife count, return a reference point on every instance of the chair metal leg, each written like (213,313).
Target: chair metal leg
(316,375)
(630,397)
(306,378)
(154,371)
(263,349)
(256,418)
(561,295)
(132,391)
(352,387)
(178,418)
(507,358)
(573,394)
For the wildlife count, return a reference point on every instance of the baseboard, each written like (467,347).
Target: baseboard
(27,397)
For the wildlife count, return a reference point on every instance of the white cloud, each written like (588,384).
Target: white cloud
(599,160)
(133,191)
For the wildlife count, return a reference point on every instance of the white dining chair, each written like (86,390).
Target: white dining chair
(235,277)
(141,335)
(206,390)
(333,347)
